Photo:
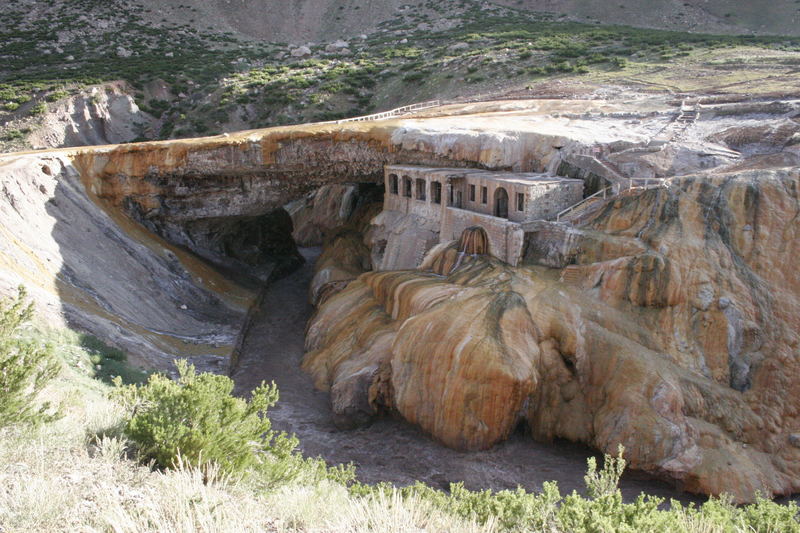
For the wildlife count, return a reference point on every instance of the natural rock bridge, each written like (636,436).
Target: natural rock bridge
(161,249)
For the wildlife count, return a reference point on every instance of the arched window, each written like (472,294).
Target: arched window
(393,184)
(406,186)
(501,203)
(420,189)
(436,192)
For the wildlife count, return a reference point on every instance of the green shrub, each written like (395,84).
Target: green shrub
(197,418)
(619,62)
(602,509)
(197,422)
(56,96)
(39,109)
(26,366)
(415,76)
(14,135)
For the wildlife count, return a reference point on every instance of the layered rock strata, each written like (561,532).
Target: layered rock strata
(97,271)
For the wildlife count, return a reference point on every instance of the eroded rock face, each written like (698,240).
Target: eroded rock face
(321,211)
(345,257)
(88,216)
(98,272)
(176,187)
(666,323)
(103,115)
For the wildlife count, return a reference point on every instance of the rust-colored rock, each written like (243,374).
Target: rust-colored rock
(666,323)
(321,211)
(345,257)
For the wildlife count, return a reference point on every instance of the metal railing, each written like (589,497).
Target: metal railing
(392,112)
(646,183)
(601,193)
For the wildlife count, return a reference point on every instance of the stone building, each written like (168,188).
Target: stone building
(454,199)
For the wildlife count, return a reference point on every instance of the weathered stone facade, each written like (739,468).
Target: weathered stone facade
(454,199)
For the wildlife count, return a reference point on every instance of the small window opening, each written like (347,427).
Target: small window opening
(436,192)
(420,189)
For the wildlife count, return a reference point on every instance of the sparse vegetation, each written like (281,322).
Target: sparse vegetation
(218,80)
(110,364)
(14,135)
(57,95)
(39,109)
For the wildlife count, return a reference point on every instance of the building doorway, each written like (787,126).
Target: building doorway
(501,203)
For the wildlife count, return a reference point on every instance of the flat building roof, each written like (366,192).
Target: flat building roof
(516,178)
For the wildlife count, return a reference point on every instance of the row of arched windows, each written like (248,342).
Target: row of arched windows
(419,188)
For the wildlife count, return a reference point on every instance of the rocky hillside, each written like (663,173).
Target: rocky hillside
(183,76)
(326,20)
(703,16)
(663,321)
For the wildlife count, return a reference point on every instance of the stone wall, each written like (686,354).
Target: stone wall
(412,206)
(546,200)
(544,196)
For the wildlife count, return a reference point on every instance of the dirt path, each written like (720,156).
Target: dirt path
(392,450)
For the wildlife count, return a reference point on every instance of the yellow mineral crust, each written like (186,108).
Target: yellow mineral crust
(672,332)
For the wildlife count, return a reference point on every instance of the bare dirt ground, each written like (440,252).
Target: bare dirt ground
(393,450)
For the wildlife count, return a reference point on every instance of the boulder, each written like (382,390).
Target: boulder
(337,47)
(300,51)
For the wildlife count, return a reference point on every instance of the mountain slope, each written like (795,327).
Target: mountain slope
(779,17)
(197,68)
(300,21)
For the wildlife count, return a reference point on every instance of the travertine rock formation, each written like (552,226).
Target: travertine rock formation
(321,211)
(345,257)
(666,323)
